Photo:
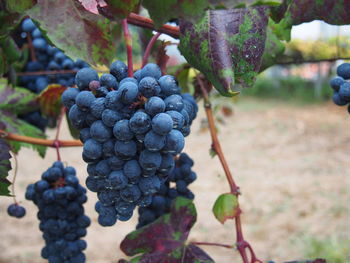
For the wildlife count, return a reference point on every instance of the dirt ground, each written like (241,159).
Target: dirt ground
(291,162)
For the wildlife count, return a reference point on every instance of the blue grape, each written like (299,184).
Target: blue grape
(140,123)
(338,100)
(162,123)
(15,210)
(28,25)
(174,142)
(149,87)
(125,149)
(84,77)
(100,132)
(154,106)
(109,81)
(122,131)
(97,107)
(168,85)
(154,142)
(344,92)
(119,70)
(174,102)
(92,149)
(151,70)
(336,83)
(110,117)
(84,100)
(344,71)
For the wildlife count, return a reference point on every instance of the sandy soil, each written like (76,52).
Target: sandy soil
(291,162)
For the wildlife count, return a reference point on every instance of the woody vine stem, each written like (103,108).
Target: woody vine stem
(242,245)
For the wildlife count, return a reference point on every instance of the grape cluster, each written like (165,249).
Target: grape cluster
(48,58)
(131,129)
(16,210)
(341,86)
(60,199)
(180,177)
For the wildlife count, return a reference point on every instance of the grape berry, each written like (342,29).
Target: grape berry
(60,199)
(132,128)
(15,210)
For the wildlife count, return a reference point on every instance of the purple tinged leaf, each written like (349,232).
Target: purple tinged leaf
(117,9)
(80,33)
(227,46)
(300,11)
(165,239)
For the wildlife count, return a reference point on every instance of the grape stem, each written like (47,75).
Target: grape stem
(31,48)
(59,124)
(14,178)
(149,48)
(128,43)
(241,243)
(47,72)
(39,141)
(211,244)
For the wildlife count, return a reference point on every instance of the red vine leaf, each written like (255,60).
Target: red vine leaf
(5,167)
(50,100)
(164,240)
(162,58)
(226,46)
(80,33)
(226,207)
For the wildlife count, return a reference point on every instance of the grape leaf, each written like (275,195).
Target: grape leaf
(161,11)
(164,240)
(15,101)
(225,207)
(226,46)
(50,100)
(117,9)
(5,167)
(300,11)
(80,33)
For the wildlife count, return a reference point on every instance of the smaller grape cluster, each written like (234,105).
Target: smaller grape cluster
(16,210)
(48,58)
(181,177)
(132,128)
(341,86)
(60,199)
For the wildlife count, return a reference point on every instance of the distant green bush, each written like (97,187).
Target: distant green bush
(288,88)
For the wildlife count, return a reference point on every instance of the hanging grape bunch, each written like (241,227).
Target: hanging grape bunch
(60,199)
(47,58)
(341,86)
(132,128)
(182,176)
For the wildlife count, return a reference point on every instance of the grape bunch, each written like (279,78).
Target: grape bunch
(48,58)
(131,127)
(16,210)
(341,86)
(180,177)
(60,199)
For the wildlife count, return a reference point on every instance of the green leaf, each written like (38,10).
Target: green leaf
(17,101)
(226,207)
(226,46)
(118,9)
(164,240)
(274,48)
(80,33)
(19,6)
(14,101)
(5,167)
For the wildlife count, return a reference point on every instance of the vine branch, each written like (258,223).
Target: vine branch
(31,48)
(145,22)
(47,72)
(128,43)
(59,124)
(241,243)
(39,141)
(14,177)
